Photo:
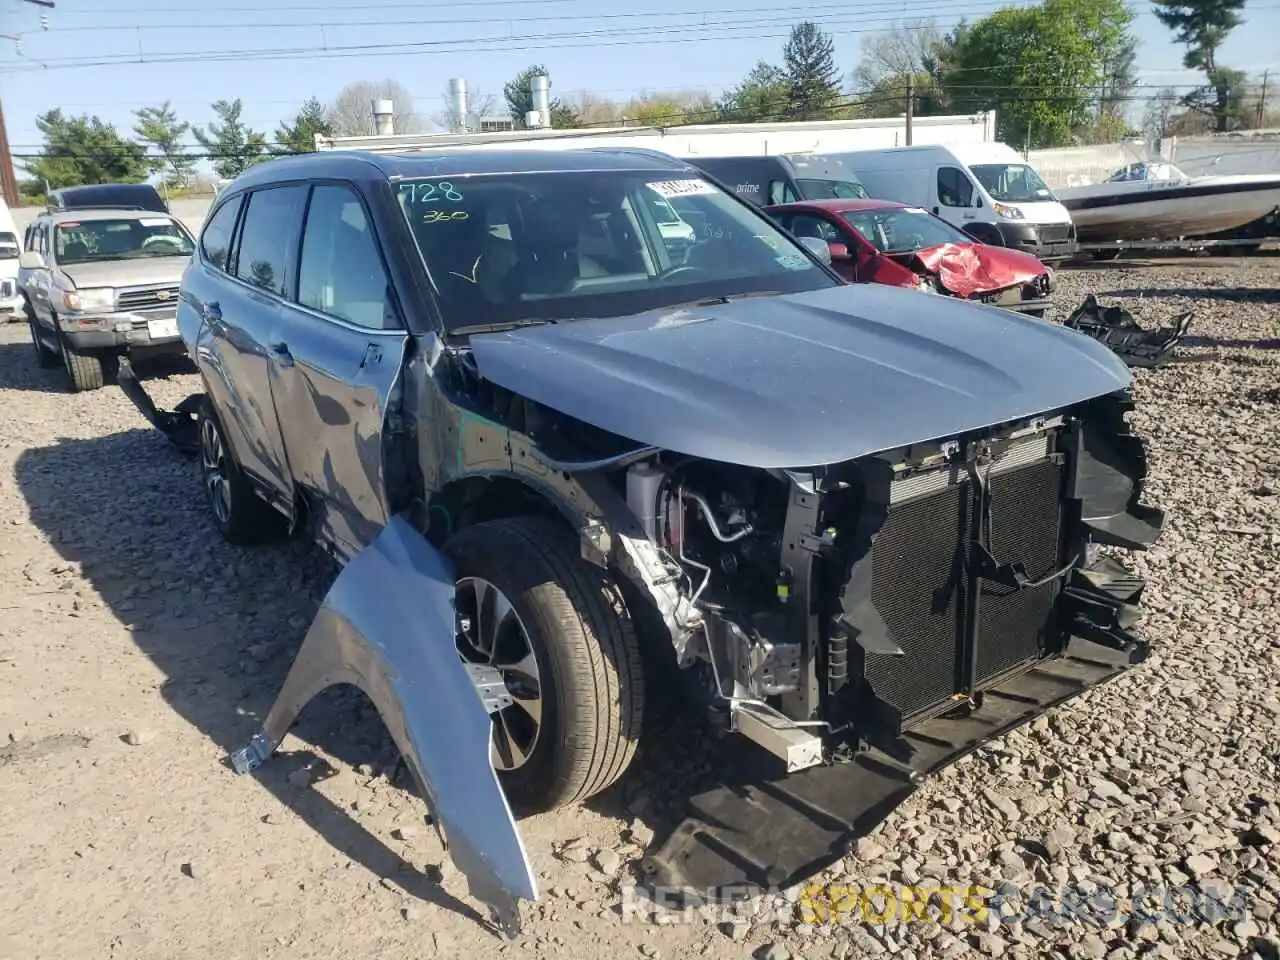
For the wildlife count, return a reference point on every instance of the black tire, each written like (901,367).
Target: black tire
(587,653)
(84,370)
(243,518)
(1110,254)
(48,359)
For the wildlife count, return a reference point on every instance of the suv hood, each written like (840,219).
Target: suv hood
(804,379)
(126,273)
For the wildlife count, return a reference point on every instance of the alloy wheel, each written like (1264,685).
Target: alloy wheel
(490,632)
(213,471)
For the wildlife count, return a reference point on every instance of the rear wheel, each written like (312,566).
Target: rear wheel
(241,516)
(559,632)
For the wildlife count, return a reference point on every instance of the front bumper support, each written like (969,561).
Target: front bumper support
(180,425)
(758,831)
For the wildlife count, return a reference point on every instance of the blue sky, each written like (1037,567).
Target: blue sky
(647,46)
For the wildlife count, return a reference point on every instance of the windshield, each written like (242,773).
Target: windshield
(124,239)
(8,246)
(904,229)
(510,247)
(831,190)
(1012,183)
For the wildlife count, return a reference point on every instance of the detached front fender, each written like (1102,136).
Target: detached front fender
(387,626)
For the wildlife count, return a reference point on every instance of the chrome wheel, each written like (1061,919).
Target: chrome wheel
(490,632)
(213,470)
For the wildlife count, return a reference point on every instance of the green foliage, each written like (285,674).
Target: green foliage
(299,135)
(762,96)
(1040,67)
(519,99)
(231,145)
(82,150)
(160,128)
(813,80)
(1202,26)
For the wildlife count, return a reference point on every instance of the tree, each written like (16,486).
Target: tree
(519,96)
(1158,117)
(1041,67)
(763,95)
(1202,26)
(299,135)
(809,60)
(160,128)
(232,146)
(669,109)
(82,150)
(480,106)
(351,112)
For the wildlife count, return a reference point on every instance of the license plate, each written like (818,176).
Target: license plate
(159,329)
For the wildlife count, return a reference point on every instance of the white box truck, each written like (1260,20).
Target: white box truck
(985,189)
(10,301)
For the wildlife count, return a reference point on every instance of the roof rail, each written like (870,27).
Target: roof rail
(104,206)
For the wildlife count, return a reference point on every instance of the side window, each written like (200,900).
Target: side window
(270,237)
(804,225)
(781,192)
(215,241)
(28,236)
(340,272)
(954,188)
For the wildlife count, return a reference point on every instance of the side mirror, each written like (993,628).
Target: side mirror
(818,247)
(839,251)
(31,261)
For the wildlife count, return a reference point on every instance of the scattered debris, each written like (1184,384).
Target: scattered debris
(1117,328)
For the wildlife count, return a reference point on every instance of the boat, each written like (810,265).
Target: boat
(1157,201)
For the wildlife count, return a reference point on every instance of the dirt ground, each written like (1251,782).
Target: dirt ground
(137,649)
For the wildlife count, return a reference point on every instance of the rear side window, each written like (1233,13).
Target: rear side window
(954,188)
(270,237)
(340,272)
(215,242)
(782,192)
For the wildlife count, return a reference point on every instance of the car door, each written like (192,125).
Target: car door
(36,283)
(241,308)
(336,356)
(954,196)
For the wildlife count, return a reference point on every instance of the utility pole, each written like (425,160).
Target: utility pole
(911,102)
(8,181)
(1262,98)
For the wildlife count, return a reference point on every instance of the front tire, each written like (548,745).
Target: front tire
(84,370)
(241,516)
(523,585)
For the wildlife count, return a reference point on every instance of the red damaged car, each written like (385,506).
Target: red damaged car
(880,241)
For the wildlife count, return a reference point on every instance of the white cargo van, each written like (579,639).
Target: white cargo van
(985,189)
(10,302)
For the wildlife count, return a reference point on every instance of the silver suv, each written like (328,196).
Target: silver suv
(99,283)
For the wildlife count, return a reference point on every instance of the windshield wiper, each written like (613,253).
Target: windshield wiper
(716,301)
(470,328)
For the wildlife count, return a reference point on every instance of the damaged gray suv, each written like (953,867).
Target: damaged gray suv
(552,448)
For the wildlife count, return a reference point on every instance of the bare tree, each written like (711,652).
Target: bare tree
(351,112)
(904,50)
(480,106)
(595,109)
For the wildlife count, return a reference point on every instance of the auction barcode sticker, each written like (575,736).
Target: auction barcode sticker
(681,188)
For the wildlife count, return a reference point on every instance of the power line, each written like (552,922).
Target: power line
(654,35)
(796,14)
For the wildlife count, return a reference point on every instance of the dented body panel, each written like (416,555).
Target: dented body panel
(386,627)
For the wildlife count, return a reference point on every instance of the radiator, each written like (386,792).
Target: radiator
(958,631)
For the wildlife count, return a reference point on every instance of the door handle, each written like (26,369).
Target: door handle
(935,211)
(280,350)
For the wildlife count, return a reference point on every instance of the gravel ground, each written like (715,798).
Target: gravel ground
(136,648)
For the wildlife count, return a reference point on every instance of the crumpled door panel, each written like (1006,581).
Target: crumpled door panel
(387,626)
